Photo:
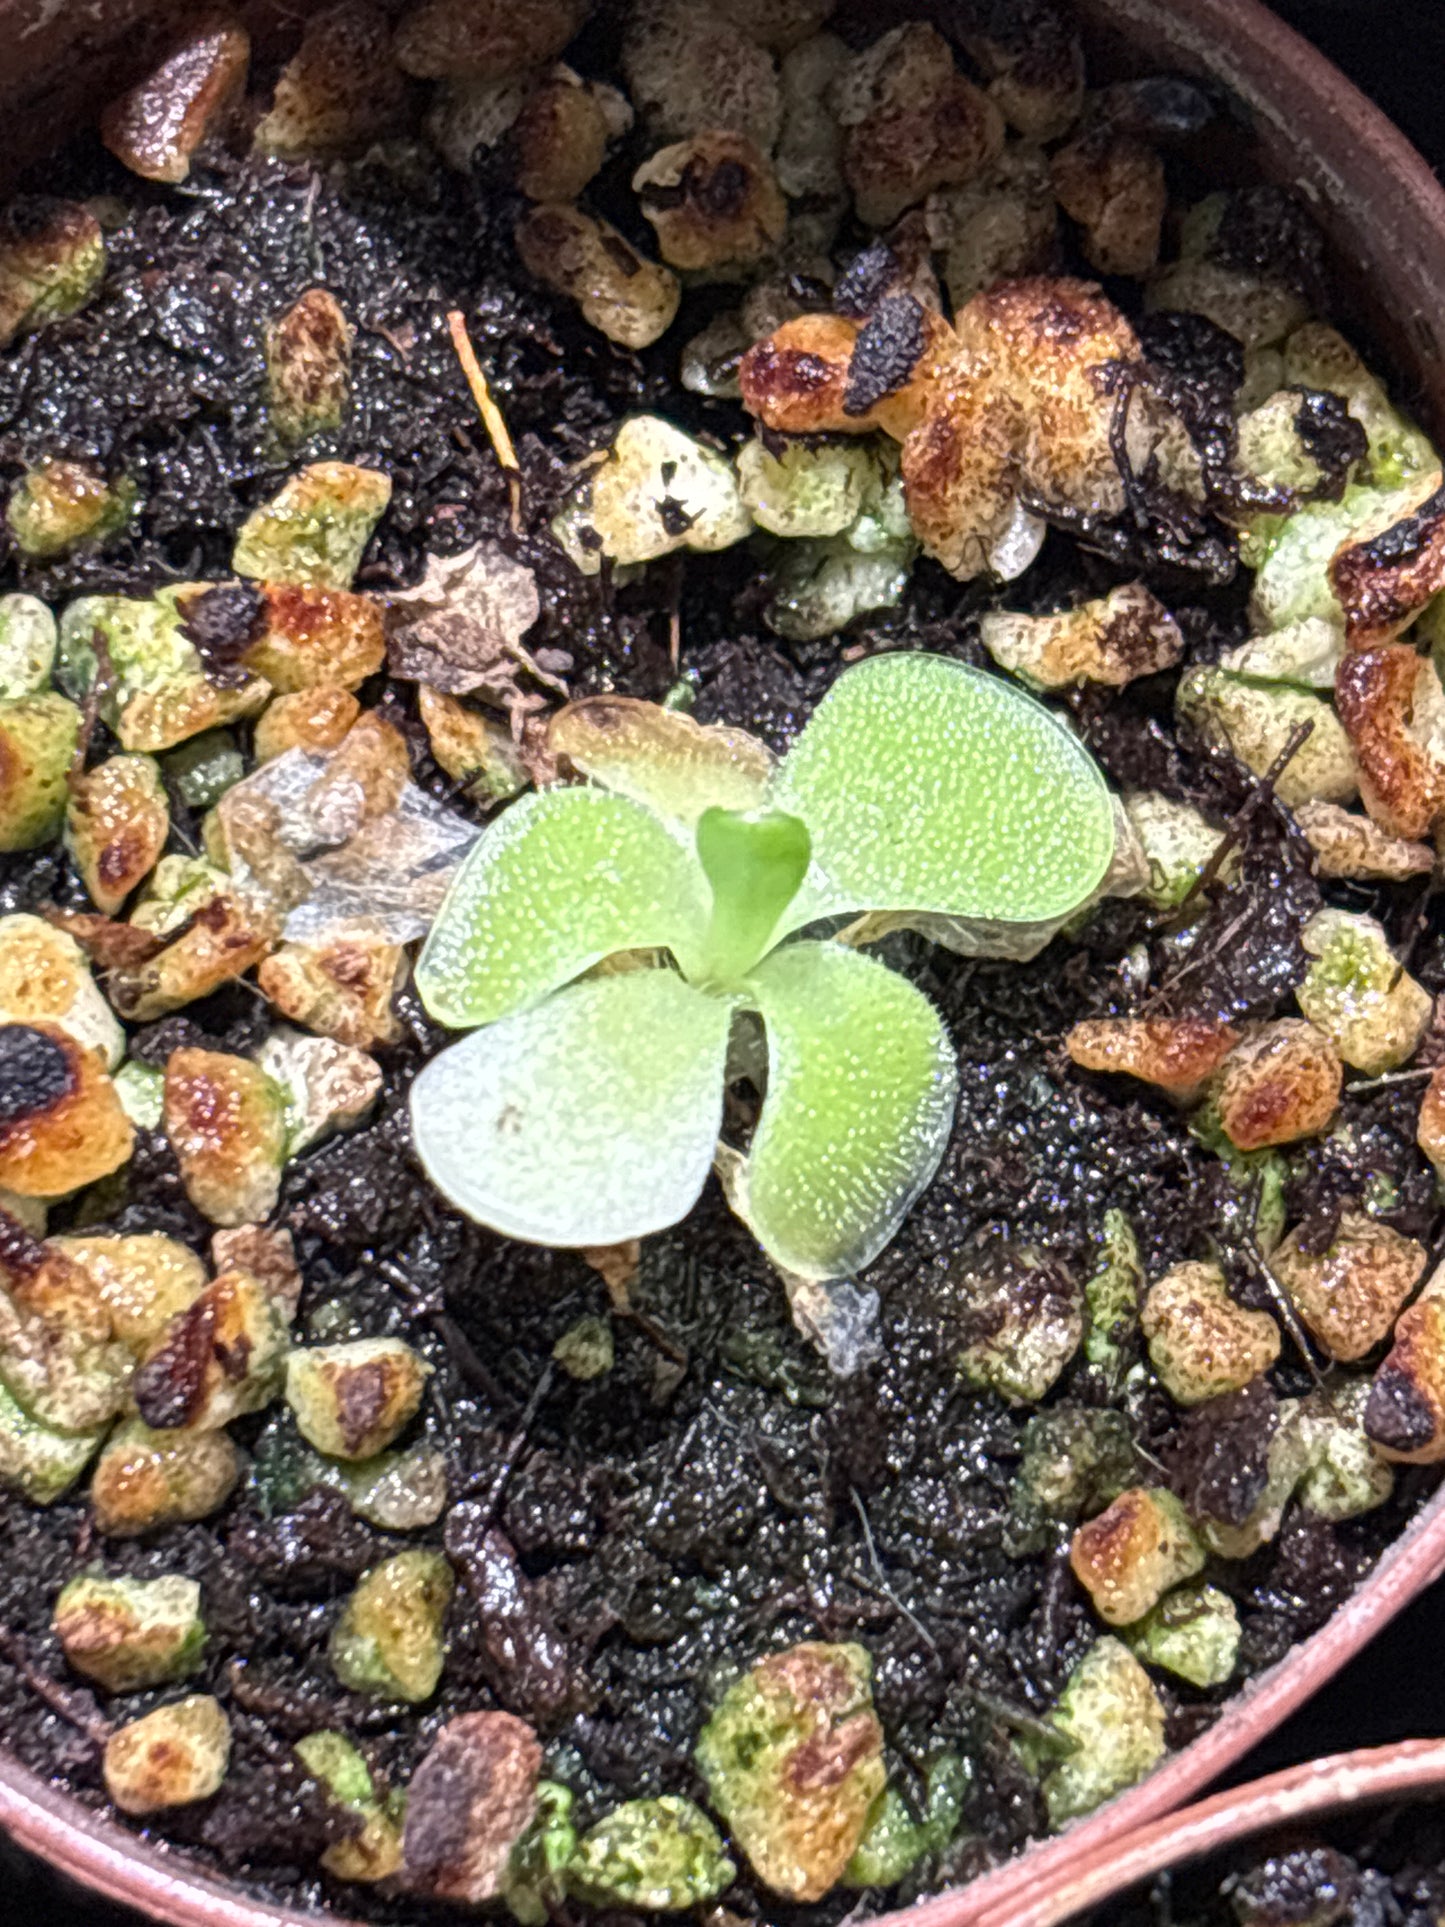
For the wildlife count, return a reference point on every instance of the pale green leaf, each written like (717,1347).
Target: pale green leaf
(861,1089)
(586,1121)
(563,879)
(929,785)
(659,757)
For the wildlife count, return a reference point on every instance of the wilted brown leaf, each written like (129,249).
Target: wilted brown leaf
(460,629)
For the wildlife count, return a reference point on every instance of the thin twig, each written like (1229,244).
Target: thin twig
(460,1349)
(883,1587)
(1022,1722)
(1240,821)
(1283,1304)
(70,1706)
(101,684)
(491,415)
(1390,1077)
(516,1442)
(1197,959)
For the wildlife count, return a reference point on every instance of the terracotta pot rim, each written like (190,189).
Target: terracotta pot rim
(1239,42)
(1360,1778)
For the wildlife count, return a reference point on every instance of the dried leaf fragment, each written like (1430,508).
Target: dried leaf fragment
(461,628)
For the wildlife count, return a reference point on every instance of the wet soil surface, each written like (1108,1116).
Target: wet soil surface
(718,1494)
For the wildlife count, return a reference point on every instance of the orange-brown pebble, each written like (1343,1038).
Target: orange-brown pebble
(226,1121)
(485,39)
(223,1356)
(1405,1413)
(269,1255)
(116,825)
(713,201)
(1348,845)
(1430,1128)
(1281,1084)
(1202,1342)
(795,381)
(314,638)
(620,292)
(1024,404)
(560,137)
(1114,187)
(144,1480)
(223,940)
(340,91)
(342,988)
(61,1123)
(1052,341)
(1178,1054)
(1377,694)
(1033,60)
(1383,581)
(155,129)
(798,380)
(1349,1294)
(316,719)
(911,123)
(1132,1553)
(308,367)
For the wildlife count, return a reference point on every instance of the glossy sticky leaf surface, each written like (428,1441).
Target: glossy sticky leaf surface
(861,1089)
(586,1121)
(562,880)
(929,785)
(662,758)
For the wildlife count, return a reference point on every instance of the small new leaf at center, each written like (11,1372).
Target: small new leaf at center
(755,863)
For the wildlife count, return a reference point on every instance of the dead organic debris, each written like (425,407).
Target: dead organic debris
(460,631)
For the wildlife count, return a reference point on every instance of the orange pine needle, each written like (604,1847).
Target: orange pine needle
(491,415)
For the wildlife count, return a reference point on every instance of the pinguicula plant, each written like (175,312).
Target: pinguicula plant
(615,948)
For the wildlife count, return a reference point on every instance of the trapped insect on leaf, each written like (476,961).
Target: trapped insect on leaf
(586,1105)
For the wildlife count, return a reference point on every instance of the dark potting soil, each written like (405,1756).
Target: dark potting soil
(718,1493)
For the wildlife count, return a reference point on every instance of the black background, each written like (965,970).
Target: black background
(1395,50)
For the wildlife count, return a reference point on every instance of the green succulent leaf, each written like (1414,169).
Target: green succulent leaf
(564,879)
(931,786)
(661,757)
(755,864)
(861,1089)
(585,1121)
